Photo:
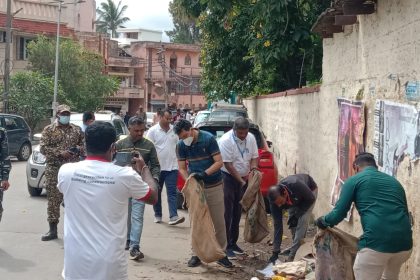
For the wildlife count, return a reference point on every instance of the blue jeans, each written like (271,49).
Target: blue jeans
(169,178)
(135,222)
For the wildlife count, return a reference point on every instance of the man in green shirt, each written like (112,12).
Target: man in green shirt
(135,142)
(386,241)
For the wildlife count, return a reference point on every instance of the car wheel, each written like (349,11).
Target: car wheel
(24,152)
(34,191)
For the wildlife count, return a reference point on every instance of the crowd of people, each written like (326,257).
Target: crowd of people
(104,202)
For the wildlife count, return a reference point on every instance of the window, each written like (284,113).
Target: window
(21,124)
(21,48)
(132,35)
(180,88)
(10,123)
(195,85)
(187,60)
(2,36)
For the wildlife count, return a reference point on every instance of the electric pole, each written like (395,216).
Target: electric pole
(6,76)
(161,60)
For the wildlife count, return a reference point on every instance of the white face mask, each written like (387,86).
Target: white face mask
(188,141)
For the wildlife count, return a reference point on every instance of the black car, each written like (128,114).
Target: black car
(18,135)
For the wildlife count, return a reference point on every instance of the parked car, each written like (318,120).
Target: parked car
(18,135)
(227,112)
(266,162)
(200,117)
(35,167)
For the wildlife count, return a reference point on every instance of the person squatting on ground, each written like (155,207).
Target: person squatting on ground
(61,142)
(165,140)
(96,194)
(135,142)
(296,193)
(239,152)
(5,166)
(201,151)
(386,242)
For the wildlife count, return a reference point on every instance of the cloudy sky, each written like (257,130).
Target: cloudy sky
(149,14)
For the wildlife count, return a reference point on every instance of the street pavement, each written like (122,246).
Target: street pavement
(24,256)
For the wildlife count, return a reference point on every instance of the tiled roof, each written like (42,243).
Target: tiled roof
(36,27)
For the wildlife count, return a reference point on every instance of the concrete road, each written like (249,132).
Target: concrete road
(24,256)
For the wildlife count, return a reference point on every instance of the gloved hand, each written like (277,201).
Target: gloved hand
(321,223)
(292,222)
(274,257)
(200,175)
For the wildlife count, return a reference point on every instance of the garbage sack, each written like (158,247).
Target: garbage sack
(256,226)
(203,235)
(335,252)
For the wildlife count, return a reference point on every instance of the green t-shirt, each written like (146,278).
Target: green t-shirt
(382,206)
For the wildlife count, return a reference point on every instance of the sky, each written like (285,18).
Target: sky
(149,14)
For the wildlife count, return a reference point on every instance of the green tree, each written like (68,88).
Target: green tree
(257,46)
(84,85)
(31,96)
(185,29)
(111,17)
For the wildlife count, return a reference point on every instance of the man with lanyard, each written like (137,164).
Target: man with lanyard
(165,140)
(201,151)
(61,142)
(5,166)
(380,199)
(135,142)
(298,194)
(240,155)
(96,194)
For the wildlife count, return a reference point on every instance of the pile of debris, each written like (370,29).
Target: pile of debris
(330,255)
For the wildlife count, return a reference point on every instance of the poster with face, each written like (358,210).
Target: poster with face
(350,141)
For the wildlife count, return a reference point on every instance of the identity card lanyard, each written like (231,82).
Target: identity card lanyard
(239,148)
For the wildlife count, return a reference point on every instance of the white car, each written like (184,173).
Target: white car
(35,166)
(201,117)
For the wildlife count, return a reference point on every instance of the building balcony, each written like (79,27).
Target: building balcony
(122,61)
(129,92)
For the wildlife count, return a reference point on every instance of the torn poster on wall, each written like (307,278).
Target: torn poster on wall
(350,142)
(397,134)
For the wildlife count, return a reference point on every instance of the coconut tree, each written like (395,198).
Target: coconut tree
(111,17)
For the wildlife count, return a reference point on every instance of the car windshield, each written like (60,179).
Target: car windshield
(201,117)
(226,115)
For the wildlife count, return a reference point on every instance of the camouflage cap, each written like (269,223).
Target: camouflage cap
(63,108)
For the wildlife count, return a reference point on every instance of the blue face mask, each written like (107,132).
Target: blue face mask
(64,119)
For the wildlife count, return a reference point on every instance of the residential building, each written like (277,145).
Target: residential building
(126,36)
(40,18)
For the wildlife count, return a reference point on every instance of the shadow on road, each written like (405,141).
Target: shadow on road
(11,264)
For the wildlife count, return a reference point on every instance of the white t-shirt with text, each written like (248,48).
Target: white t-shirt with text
(96,197)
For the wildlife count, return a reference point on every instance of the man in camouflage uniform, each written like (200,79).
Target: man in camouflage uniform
(5,166)
(135,142)
(61,142)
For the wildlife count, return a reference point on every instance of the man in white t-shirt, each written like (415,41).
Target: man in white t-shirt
(96,194)
(240,155)
(165,140)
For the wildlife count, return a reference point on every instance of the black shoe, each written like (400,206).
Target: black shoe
(225,262)
(194,261)
(127,245)
(285,252)
(52,234)
(136,254)
(237,250)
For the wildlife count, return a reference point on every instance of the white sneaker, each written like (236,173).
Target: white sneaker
(158,220)
(176,220)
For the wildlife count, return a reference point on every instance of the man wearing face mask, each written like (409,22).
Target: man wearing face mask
(135,142)
(240,155)
(61,142)
(201,151)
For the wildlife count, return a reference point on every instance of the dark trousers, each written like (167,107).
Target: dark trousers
(233,193)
